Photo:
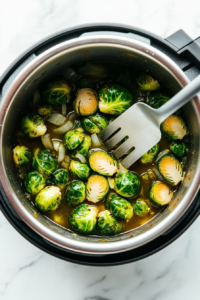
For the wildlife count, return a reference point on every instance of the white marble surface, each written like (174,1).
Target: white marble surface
(25,271)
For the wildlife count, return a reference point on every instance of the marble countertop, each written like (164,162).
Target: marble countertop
(25,271)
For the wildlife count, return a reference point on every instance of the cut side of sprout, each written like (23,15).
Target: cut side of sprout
(57,119)
(95,140)
(61,153)
(97,188)
(64,109)
(160,194)
(46,141)
(103,163)
(56,144)
(122,169)
(81,158)
(64,128)
(36,98)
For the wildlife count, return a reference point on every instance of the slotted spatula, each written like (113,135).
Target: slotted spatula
(141,124)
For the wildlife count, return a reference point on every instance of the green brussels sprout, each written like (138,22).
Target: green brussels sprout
(141,208)
(85,83)
(21,156)
(56,92)
(96,123)
(120,207)
(107,224)
(48,199)
(170,169)
(102,163)
(157,99)
(79,170)
(149,156)
(83,218)
(114,100)
(127,184)
(75,193)
(73,138)
(34,182)
(174,127)
(93,70)
(160,194)
(97,188)
(45,111)
(86,102)
(59,178)
(146,82)
(178,149)
(33,125)
(83,148)
(44,162)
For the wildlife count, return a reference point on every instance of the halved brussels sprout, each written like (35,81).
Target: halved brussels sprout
(146,82)
(149,156)
(174,128)
(73,138)
(34,182)
(79,170)
(75,193)
(83,148)
(33,125)
(56,92)
(45,111)
(170,169)
(93,70)
(21,156)
(48,199)
(157,99)
(114,100)
(178,149)
(107,224)
(141,208)
(97,188)
(59,178)
(103,163)
(44,162)
(127,184)
(83,218)
(86,102)
(120,207)
(96,123)
(160,194)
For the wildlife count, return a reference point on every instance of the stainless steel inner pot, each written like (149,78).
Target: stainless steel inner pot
(109,48)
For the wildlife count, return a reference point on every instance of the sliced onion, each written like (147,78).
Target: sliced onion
(157,173)
(36,98)
(65,165)
(122,169)
(111,182)
(64,128)
(95,140)
(66,159)
(57,119)
(56,144)
(61,153)
(161,154)
(64,109)
(72,117)
(46,141)
(81,158)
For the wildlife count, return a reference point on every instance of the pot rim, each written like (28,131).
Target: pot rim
(55,238)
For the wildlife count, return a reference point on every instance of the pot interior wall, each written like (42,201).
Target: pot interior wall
(60,63)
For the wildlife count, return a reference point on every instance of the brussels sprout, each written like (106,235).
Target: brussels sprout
(86,102)
(83,148)
(97,188)
(21,156)
(83,218)
(44,162)
(33,125)
(160,194)
(59,178)
(127,184)
(140,208)
(178,149)
(170,169)
(146,82)
(96,123)
(125,78)
(48,199)
(149,156)
(120,207)
(73,138)
(107,224)
(174,128)
(93,70)
(157,99)
(79,170)
(75,193)
(114,100)
(103,163)
(34,182)
(45,111)
(56,92)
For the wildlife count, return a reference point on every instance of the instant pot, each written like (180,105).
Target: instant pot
(174,61)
